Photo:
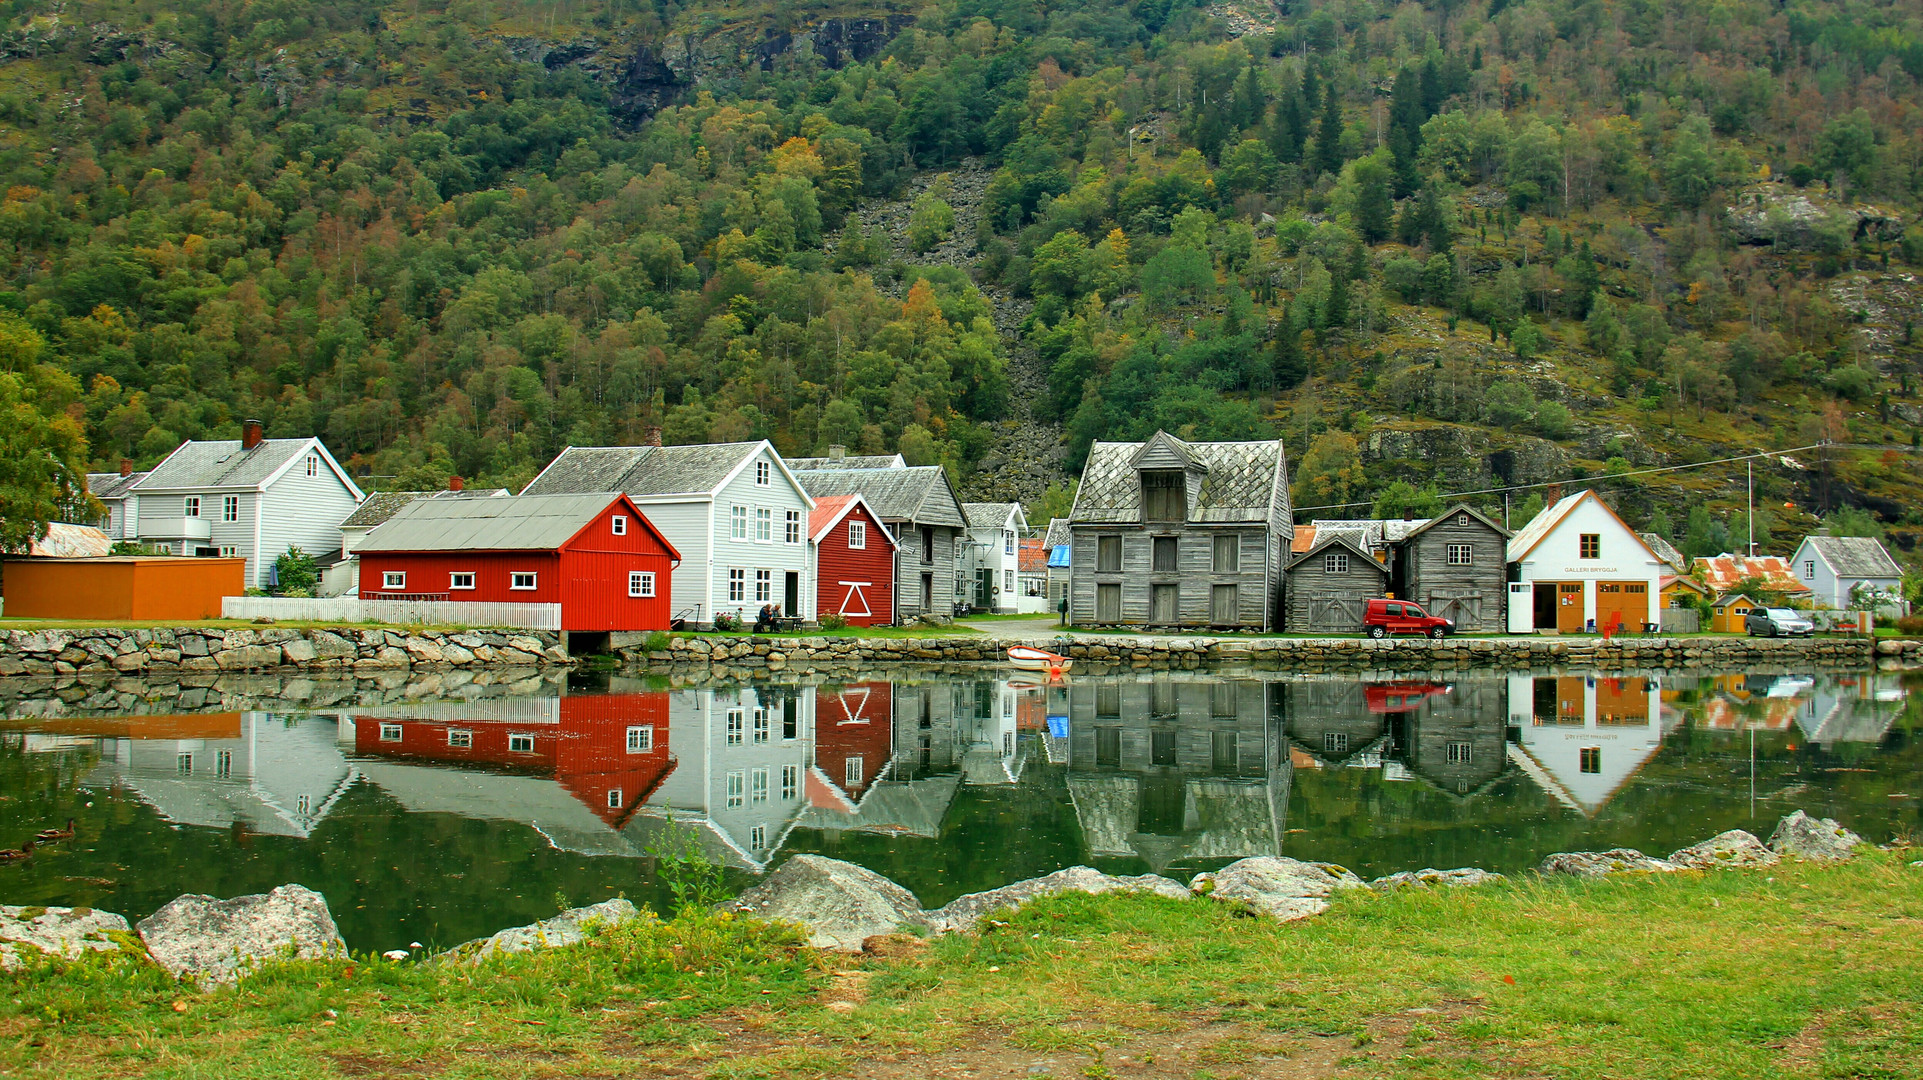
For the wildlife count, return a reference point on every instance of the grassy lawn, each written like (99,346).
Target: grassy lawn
(233,624)
(853,632)
(1797,971)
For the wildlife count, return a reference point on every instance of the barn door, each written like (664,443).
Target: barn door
(1108,603)
(1163,607)
(1342,614)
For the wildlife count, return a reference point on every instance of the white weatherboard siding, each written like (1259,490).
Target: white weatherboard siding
(775,555)
(707,756)
(1619,745)
(685,524)
(1829,588)
(1624,557)
(296,510)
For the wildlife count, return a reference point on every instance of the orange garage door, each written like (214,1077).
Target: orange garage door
(1622,604)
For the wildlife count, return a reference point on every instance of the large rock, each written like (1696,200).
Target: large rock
(57,931)
(567,928)
(1461,876)
(1603,863)
(1813,838)
(964,913)
(1285,888)
(1731,850)
(840,904)
(218,941)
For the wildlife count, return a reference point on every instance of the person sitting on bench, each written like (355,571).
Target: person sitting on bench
(765,621)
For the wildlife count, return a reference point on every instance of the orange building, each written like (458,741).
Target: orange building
(121,587)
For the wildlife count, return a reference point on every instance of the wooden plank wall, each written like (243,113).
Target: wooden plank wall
(1308,581)
(1433,583)
(1195,575)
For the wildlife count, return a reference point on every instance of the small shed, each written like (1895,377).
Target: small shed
(1328,588)
(596,555)
(1729,611)
(1454,565)
(854,561)
(149,587)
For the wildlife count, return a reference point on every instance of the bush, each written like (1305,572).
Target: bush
(726,622)
(1910,626)
(296,572)
(834,622)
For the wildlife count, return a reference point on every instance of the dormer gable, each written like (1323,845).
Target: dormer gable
(1171,478)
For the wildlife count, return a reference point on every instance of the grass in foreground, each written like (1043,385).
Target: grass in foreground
(10,623)
(1800,971)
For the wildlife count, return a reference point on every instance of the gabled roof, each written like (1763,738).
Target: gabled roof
(858,461)
(1165,451)
(112,485)
(1724,572)
(1368,532)
(1341,540)
(1666,551)
(381,505)
(1459,508)
(1855,556)
(522,523)
(918,494)
(1727,599)
(1031,555)
(1686,582)
(829,511)
(1058,533)
(641,471)
(989,515)
(64,541)
(222,463)
(1245,482)
(1538,529)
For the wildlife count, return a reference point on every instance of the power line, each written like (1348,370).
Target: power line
(1609,476)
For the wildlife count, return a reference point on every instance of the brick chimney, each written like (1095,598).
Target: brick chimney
(836,452)
(1555,494)
(455,483)
(653,437)
(249,434)
(126,466)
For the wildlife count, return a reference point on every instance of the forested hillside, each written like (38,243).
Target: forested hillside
(1439,247)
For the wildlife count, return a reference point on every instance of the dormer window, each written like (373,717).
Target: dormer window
(1164,495)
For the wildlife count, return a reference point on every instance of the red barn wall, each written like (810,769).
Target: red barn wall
(836,562)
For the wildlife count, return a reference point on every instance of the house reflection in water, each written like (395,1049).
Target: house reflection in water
(1582,737)
(1448,734)
(1844,708)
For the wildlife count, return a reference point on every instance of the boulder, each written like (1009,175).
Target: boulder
(566,928)
(1733,849)
(1813,838)
(1285,888)
(840,904)
(1461,876)
(1603,863)
(217,941)
(57,931)
(964,913)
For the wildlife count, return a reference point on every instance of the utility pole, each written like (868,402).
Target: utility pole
(1750,551)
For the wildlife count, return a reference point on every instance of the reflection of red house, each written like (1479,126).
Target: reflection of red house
(1399,697)
(609,751)
(854,561)
(854,736)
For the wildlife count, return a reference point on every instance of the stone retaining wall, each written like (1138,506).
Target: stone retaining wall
(164,650)
(1299,654)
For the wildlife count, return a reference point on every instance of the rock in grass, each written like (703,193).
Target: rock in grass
(567,928)
(964,913)
(1603,863)
(838,903)
(1269,885)
(1813,838)
(56,931)
(1462,876)
(1734,849)
(218,941)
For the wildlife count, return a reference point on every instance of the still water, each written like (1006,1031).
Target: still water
(442,818)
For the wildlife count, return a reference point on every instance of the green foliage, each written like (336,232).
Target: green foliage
(297,572)
(833,621)
(1330,472)
(1403,499)
(1853,521)
(693,877)
(930,222)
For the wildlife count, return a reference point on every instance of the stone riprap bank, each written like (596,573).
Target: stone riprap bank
(1300,654)
(164,650)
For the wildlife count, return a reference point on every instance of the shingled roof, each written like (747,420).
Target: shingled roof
(382,505)
(919,494)
(1666,551)
(112,485)
(991,515)
(859,461)
(1855,556)
(524,523)
(642,470)
(1243,482)
(221,463)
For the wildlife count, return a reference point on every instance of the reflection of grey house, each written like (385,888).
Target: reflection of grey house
(1849,709)
(1328,718)
(924,730)
(539,802)
(1328,587)
(1172,770)
(1454,739)
(279,775)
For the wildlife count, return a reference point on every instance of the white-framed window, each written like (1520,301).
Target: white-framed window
(1008,541)
(1458,753)
(737,585)
(640,583)
(393,579)
(791,526)
(520,742)
(313,465)
(615,797)
(190,506)
(737,523)
(184,764)
(619,523)
(737,789)
(390,733)
(1335,742)
(763,473)
(790,780)
(522,580)
(303,805)
(758,786)
(761,724)
(851,772)
(857,534)
(1335,562)
(764,525)
(460,579)
(1809,569)
(1461,554)
(224,764)
(641,739)
(229,551)
(1008,581)
(460,738)
(230,508)
(736,717)
(764,586)
(758,837)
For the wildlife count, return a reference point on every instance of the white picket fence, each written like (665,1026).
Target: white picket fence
(351,609)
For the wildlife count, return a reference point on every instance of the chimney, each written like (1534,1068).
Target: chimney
(126,466)
(836,452)
(455,483)
(1408,514)
(1555,494)
(249,434)
(653,437)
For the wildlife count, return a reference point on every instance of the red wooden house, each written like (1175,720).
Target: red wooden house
(853,558)
(594,555)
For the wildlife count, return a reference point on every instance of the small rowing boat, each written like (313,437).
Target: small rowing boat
(1031,659)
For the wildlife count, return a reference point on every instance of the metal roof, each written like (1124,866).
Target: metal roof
(64,541)
(919,494)
(1855,556)
(1726,571)
(697,469)
(112,485)
(860,461)
(1245,482)
(381,505)
(829,510)
(1666,551)
(522,523)
(223,464)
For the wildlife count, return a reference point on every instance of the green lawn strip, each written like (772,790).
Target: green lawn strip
(10,623)
(1799,970)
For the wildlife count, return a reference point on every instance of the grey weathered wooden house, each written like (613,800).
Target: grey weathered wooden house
(1174,533)
(1456,566)
(919,506)
(1328,587)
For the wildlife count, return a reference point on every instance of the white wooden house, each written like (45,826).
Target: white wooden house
(734,511)
(993,556)
(1836,566)
(1577,567)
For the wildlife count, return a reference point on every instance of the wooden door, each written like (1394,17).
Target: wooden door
(1622,602)
(1222,606)
(1108,603)
(1337,614)
(1569,618)
(1162,605)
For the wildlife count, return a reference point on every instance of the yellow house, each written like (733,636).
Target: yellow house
(1729,612)
(1677,586)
